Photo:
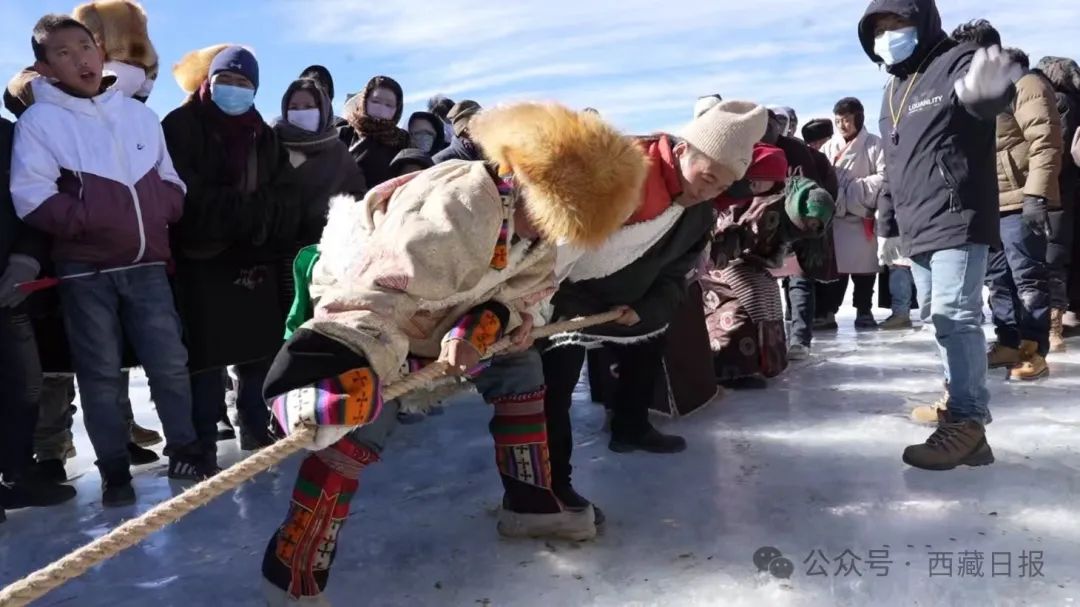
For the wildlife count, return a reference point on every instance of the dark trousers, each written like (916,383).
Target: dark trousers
(208,398)
(20,376)
(801,303)
(1019,281)
(830,295)
(639,367)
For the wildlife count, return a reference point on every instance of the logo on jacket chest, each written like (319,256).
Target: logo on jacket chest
(925,102)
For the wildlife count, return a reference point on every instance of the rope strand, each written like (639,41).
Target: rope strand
(130,533)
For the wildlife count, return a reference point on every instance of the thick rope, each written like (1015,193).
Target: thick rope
(54,575)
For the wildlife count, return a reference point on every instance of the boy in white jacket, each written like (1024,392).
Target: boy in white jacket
(90,168)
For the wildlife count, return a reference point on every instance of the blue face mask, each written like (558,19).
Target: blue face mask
(233,100)
(896,46)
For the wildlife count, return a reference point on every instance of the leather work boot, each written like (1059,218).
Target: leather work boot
(954,443)
(1001,357)
(1057,330)
(1032,364)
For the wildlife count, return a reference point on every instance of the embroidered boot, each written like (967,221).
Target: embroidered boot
(530,507)
(296,564)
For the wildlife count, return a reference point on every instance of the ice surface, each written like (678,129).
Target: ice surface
(812,463)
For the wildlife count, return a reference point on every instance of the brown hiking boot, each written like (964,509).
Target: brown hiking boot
(1057,330)
(954,443)
(1032,364)
(144,437)
(928,414)
(999,356)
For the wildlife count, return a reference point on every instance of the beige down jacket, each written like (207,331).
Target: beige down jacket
(1029,146)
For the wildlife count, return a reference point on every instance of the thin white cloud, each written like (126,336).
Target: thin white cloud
(642,63)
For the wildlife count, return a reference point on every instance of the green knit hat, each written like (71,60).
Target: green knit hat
(807,200)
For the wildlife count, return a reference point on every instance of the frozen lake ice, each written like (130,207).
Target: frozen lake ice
(811,466)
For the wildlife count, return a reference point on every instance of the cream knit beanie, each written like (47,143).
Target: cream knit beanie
(727,133)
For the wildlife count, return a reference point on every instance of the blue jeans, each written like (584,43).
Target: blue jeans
(949,284)
(208,400)
(20,376)
(100,309)
(801,301)
(901,285)
(1019,281)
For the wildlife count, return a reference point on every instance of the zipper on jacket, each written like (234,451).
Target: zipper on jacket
(131,188)
(954,201)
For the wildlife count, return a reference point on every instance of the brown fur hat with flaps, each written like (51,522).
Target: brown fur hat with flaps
(119,27)
(581,179)
(194,67)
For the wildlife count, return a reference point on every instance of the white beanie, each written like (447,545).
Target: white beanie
(705,104)
(727,133)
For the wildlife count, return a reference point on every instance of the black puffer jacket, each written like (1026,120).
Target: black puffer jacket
(940,161)
(654,285)
(15,236)
(233,247)
(1064,76)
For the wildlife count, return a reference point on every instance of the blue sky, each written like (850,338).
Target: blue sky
(642,63)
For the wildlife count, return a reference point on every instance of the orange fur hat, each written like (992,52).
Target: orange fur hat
(580,177)
(119,28)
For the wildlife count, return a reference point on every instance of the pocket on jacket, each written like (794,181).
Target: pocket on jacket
(1010,167)
(952,185)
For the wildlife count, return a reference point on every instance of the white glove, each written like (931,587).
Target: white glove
(989,76)
(888,251)
(20,268)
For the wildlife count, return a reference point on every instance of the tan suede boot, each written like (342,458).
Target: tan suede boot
(1057,330)
(1032,365)
(928,414)
(999,356)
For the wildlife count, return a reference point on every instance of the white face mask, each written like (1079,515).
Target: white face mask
(306,119)
(423,140)
(131,80)
(380,110)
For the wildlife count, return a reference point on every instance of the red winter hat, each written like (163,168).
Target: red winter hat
(769,164)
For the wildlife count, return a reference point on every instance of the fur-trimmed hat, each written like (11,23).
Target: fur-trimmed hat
(194,68)
(119,28)
(581,179)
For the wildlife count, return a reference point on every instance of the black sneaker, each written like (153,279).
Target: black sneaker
(140,456)
(191,467)
(32,494)
(48,471)
(653,441)
(117,495)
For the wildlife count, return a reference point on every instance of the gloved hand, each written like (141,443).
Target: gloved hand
(888,251)
(21,268)
(887,228)
(335,407)
(1035,215)
(990,75)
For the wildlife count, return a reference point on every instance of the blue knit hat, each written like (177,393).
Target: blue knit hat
(236,59)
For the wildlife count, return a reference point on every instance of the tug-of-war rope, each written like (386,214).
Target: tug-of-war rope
(54,575)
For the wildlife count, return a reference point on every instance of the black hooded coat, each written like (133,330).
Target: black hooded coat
(940,162)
